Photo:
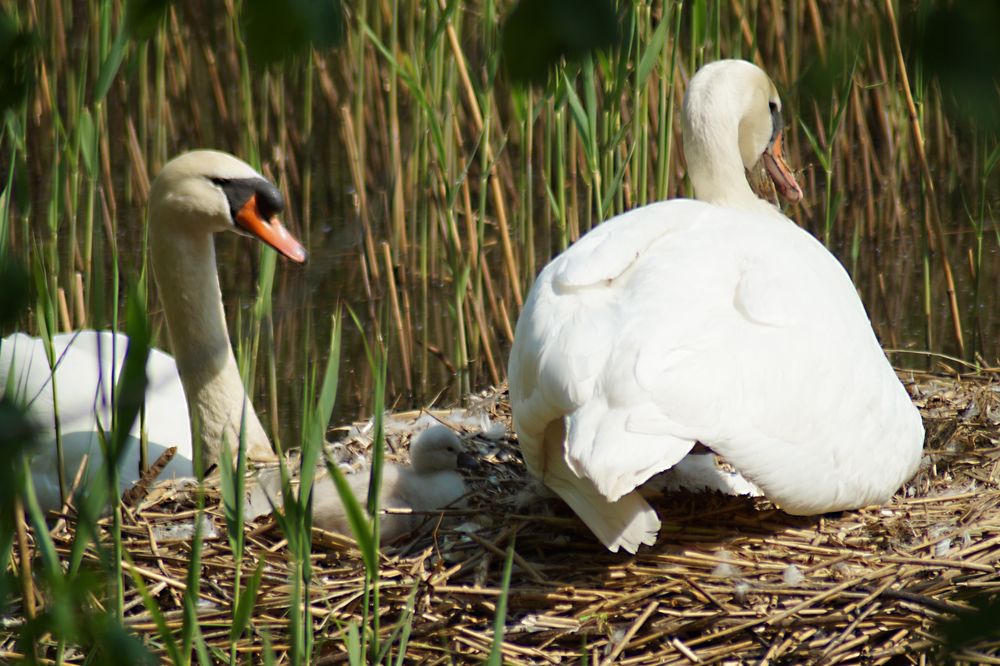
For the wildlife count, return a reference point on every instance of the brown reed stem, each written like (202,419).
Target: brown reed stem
(934,219)
(397,315)
(79,305)
(503,228)
(358,180)
(24,553)
(64,321)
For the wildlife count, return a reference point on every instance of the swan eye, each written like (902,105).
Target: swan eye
(776,120)
(238,192)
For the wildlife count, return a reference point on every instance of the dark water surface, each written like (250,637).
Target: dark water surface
(891,279)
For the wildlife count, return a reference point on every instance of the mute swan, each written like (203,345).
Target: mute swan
(716,321)
(195,196)
(430,482)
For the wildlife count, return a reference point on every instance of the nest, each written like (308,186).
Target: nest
(730,580)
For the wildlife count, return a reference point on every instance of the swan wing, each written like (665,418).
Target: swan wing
(732,328)
(87,366)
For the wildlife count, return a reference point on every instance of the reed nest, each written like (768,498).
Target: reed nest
(730,580)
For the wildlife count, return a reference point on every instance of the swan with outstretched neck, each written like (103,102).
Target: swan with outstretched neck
(195,196)
(715,321)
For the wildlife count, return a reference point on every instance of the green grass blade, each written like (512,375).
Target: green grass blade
(360,526)
(821,154)
(245,603)
(110,66)
(405,626)
(576,109)
(313,444)
(652,52)
(131,388)
(355,654)
(499,623)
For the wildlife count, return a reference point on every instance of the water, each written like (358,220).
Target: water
(890,276)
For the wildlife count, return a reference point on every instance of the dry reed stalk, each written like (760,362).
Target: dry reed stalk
(27,579)
(934,214)
(477,309)
(64,321)
(79,301)
(503,228)
(397,317)
(360,191)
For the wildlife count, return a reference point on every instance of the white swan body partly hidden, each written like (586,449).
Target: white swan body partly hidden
(429,483)
(716,321)
(194,196)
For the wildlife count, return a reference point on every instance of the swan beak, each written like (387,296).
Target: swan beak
(272,231)
(777,169)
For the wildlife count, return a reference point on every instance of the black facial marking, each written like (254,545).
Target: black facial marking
(239,190)
(776,120)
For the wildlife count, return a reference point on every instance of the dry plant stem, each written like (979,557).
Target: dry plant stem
(80,311)
(635,626)
(477,310)
(24,553)
(60,524)
(64,320)
(17,657)
(503,227)
(934,214)
(397,317)
(353,159)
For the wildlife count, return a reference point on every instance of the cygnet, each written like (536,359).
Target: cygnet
(430,482)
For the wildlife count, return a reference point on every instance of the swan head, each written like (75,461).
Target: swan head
(732,124)
(207,191)
(438,449)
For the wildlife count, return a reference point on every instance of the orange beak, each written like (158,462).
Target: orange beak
(777,169)
(270,231)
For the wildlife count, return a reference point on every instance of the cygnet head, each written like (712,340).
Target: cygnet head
(731,122)
(438,449)
(207,191)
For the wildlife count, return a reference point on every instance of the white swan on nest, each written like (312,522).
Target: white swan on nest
(716,321)
(430,482)
(196,195)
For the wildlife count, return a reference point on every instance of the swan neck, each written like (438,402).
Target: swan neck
(711,146)
(711,131)
(188,285)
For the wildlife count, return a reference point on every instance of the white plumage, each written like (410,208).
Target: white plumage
(716,321)
(194,196)
(87,366)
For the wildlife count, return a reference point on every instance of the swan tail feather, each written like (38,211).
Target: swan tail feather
(625,523)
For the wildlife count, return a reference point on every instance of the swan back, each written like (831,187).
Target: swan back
(88,364)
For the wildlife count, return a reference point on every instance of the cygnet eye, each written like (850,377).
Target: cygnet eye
(773,106)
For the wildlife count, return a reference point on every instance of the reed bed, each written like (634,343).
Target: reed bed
(731,580)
